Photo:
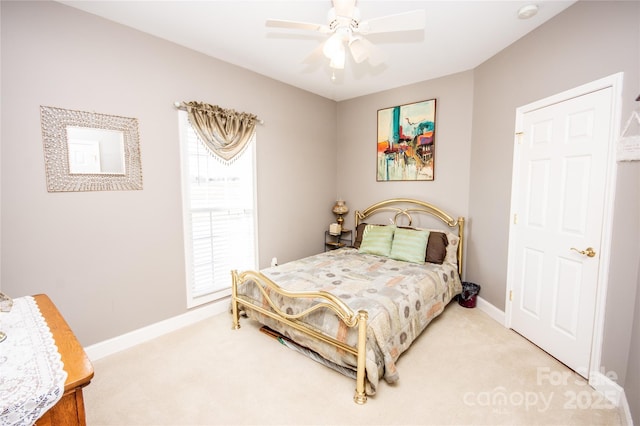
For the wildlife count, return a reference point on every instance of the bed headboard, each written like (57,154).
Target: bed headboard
(406,207)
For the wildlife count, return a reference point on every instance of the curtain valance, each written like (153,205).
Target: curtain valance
(225,132)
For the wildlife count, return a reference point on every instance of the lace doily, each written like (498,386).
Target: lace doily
(32,378)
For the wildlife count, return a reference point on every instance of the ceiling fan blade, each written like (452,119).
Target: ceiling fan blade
(344,7)
(362,49)
(407,21)
(278,23)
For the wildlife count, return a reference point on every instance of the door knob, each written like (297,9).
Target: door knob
(588,252)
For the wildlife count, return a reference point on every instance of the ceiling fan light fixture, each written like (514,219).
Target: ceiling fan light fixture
(344,29)
(338,58)
(332,19)
(337,63)
(358,50)
(332,45)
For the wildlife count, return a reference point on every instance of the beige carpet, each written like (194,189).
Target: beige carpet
(464,369)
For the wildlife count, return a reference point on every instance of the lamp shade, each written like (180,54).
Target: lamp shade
(340,207)
(332,46)
(338,59)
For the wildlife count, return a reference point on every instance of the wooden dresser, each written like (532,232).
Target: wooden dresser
(69,411)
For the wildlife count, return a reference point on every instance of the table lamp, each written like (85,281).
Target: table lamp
(339,209)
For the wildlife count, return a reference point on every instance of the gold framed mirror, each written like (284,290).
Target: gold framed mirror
(86,151)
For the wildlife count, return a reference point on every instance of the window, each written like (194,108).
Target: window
(219,216)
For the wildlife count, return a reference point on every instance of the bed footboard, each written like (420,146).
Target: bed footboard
(325,301)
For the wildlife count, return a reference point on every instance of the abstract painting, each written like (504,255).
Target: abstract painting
(406,142)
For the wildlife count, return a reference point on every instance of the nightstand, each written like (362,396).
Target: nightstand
(332,242)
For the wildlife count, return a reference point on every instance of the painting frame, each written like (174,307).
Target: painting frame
(406,142)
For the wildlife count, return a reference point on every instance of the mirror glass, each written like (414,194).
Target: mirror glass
(95,151)
(86,151)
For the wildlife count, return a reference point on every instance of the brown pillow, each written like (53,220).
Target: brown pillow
(359,232)
(436,247)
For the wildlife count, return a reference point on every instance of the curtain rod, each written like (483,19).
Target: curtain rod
(180,106)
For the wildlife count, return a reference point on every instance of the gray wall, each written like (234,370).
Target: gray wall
(106,258)
(474,136)
(113,261)
(588,41)
(632,380)
(357,139)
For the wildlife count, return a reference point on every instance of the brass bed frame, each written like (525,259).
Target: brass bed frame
(401,207)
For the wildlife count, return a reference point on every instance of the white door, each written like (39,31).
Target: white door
(558,203)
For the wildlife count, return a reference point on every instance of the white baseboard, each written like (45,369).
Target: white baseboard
(624,405)
(490,310)
(613,392)
(600,382)
(141,335)
(133,338)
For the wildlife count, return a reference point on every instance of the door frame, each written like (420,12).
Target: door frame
(614,82)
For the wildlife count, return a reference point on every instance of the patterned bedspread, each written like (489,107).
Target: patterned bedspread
(401,298)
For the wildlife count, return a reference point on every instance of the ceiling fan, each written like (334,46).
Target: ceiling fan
(347,31)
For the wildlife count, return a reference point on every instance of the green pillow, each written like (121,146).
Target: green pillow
(377,239)
(409,245)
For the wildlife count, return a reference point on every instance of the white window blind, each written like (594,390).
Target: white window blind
(219,217)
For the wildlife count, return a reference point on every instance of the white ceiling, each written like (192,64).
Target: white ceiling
(459,36)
